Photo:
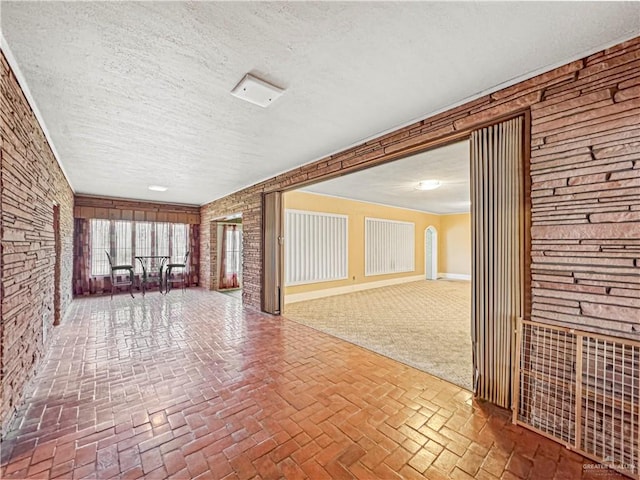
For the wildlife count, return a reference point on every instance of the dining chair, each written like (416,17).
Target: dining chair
(114,276)
(184,279)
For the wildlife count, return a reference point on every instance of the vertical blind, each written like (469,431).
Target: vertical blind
(389,246)
(315,247)
(100,243)
(233,249)
(125,239)
(179,242)
(497,261)
(143,241)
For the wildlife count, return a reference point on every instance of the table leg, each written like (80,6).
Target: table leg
(143,278)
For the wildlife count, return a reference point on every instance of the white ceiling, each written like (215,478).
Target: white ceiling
(395,183)
(138,93)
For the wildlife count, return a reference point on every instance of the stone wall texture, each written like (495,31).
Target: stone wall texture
(31,182)
(585,188)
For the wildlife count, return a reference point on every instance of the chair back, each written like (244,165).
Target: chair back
(109,258)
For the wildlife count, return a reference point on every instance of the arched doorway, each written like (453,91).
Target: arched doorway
(431,253)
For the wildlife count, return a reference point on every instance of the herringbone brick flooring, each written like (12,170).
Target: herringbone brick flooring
(191,385)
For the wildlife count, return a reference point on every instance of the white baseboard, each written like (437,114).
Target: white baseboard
(454,276)
(330,292)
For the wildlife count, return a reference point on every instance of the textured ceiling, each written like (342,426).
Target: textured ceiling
(138,93)
(395,183)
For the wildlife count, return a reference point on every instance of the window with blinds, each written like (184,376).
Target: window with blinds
(124,240)
(100,243)
(389,246)
(122,243)
(179,242)
(315,247)
(144,234)
(233,250)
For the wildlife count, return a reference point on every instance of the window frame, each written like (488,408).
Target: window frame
(99,267)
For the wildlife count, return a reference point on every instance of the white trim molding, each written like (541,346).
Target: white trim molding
(330,292)
(454,276)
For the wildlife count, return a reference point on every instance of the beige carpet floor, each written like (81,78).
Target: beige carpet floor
(424,324)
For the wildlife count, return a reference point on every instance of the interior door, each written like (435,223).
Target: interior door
(56,269)
(272,263)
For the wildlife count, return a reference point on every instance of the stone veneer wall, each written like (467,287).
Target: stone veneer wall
(30,182)
(585,192)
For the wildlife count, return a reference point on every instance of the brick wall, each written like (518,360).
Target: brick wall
(249,202)
(31,181)
(585,194)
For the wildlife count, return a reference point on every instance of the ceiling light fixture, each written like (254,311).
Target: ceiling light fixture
(158,188)
(256,91)
(428,185)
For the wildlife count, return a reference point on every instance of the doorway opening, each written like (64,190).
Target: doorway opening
(431,253)
(228,234)
(56,268)
(497,220)
(371,258)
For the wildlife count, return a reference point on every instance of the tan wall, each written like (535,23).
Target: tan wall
(454,244)
(357,211)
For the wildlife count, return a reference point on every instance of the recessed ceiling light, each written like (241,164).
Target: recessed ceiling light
(256,91)
(158,188)
(428,185)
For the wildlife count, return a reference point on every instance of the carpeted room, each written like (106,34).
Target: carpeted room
(381,260)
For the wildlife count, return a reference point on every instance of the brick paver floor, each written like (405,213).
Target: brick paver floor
(191,385)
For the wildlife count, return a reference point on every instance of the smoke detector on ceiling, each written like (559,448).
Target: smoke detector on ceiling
(256,91)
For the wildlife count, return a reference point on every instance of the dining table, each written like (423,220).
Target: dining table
(152,266)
